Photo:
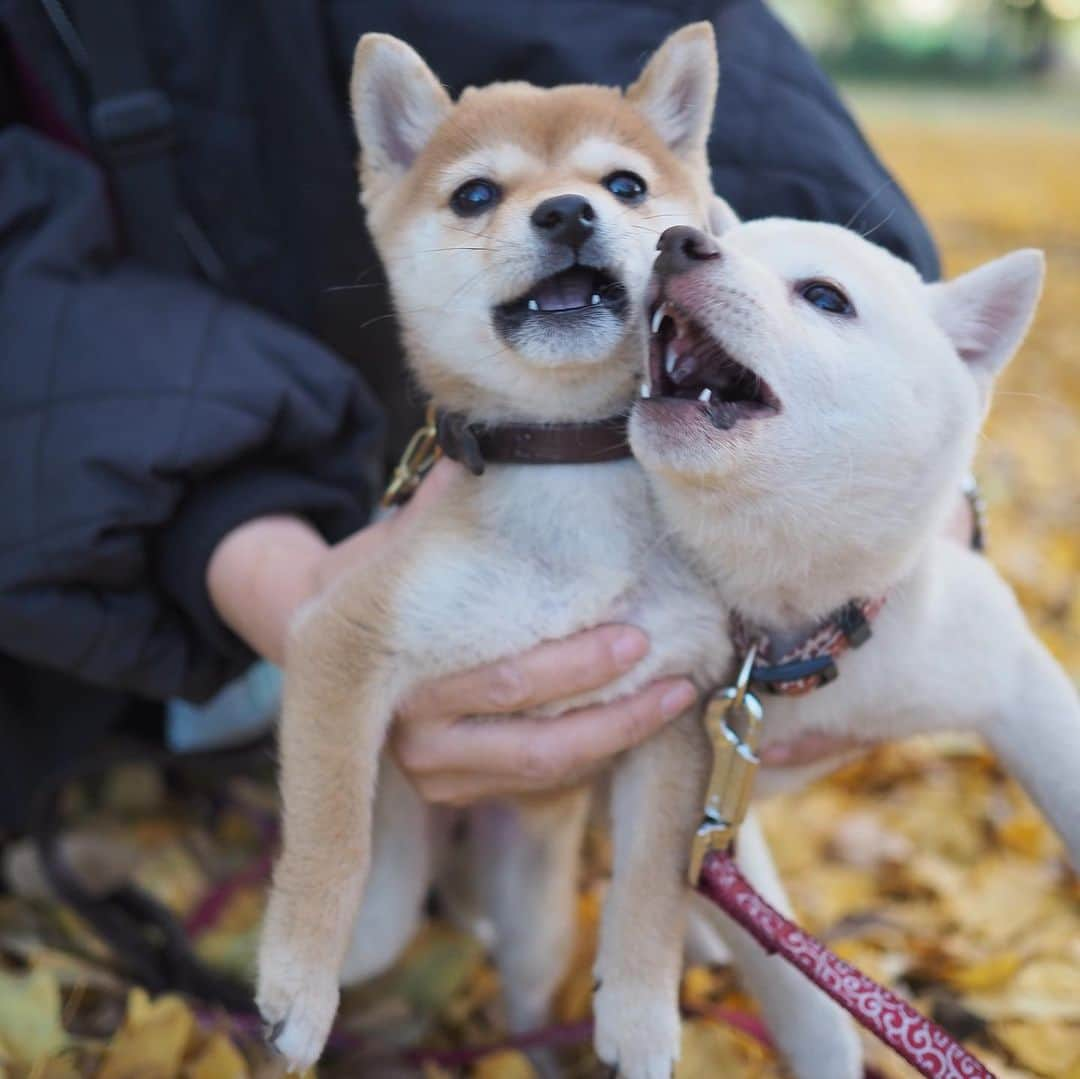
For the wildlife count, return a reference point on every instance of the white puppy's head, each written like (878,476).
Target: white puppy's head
(517,224)
(806,384)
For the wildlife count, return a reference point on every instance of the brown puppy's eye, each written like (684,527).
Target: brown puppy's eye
(626,186)
(827,297)
(474,197)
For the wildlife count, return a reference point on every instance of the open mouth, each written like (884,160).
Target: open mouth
(686,363)
(565,294)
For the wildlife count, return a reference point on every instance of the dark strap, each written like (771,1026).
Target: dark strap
(144,935)
(475,445)
(132,124)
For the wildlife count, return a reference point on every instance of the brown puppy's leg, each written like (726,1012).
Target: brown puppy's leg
(657,800)
(336,708)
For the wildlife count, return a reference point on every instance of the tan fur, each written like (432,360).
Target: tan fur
(517,557)
(521,555)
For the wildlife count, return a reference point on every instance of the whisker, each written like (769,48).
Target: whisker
(870,198)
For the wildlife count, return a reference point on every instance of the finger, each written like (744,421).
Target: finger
(809,748)
(552,671)
(461,789)
(961,523)
(541,752)
(434,486)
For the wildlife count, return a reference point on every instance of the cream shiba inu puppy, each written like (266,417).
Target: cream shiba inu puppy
(517,227)
(810,410)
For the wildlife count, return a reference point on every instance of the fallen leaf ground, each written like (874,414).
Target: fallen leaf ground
(921,863)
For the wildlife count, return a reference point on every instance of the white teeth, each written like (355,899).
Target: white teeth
(658,318)
(705,395)
(669,359)
(645,391)
(533,305)
(595,299)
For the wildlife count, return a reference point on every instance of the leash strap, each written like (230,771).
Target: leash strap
(921,1042)
(132,123)
(150,943)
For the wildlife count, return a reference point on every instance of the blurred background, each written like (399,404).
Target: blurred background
(1028,45)
(922,863)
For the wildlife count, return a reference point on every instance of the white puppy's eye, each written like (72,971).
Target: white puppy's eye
(626,186)
(827,297)
(475,197)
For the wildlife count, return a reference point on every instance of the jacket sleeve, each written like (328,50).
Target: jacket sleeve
(784,145)
(141,418)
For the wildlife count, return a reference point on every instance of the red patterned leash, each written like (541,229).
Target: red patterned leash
(733,719)
(922,1043)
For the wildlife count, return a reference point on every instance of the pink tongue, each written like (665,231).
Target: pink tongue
(570,289)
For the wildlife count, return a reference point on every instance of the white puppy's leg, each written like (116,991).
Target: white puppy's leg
(815,1035)
(527,859)
(705,946)
(657,799)
(401,862)
(978,664)
(1036,732)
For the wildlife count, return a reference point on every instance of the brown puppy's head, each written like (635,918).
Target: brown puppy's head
(517,225)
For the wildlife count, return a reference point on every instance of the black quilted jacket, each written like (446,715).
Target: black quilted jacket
(143,415)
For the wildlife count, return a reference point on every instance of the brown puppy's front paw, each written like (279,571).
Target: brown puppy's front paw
(637,1030)
(297,1002)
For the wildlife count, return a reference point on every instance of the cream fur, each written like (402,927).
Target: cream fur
(844,493)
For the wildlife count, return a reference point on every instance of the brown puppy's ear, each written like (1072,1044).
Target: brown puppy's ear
(397,104)
(987,311)
(721,216)
(677,90)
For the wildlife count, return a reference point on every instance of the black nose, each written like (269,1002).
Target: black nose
(681,248)
(565,219)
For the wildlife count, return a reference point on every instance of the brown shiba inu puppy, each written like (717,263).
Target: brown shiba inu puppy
(517,227)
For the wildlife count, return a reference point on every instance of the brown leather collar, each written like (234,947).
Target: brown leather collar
(475,445)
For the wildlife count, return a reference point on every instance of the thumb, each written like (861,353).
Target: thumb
(432,489)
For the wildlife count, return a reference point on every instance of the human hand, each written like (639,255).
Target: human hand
(266,569)
(469,736)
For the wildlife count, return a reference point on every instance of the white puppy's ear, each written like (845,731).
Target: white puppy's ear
(721,216)
(397,104)
(987,311)
(677,89)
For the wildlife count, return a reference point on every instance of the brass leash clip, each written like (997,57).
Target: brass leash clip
(733,719)
(420,454)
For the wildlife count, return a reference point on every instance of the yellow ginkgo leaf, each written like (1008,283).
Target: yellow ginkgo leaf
(30,1023)
(504,1065)
(152,1041)
(217,1059)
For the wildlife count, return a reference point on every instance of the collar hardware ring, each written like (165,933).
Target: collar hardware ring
(420,454)
(733,721)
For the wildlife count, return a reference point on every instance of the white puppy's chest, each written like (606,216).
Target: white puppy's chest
(556,551)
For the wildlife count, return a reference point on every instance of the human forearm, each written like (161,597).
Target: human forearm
(258,576)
